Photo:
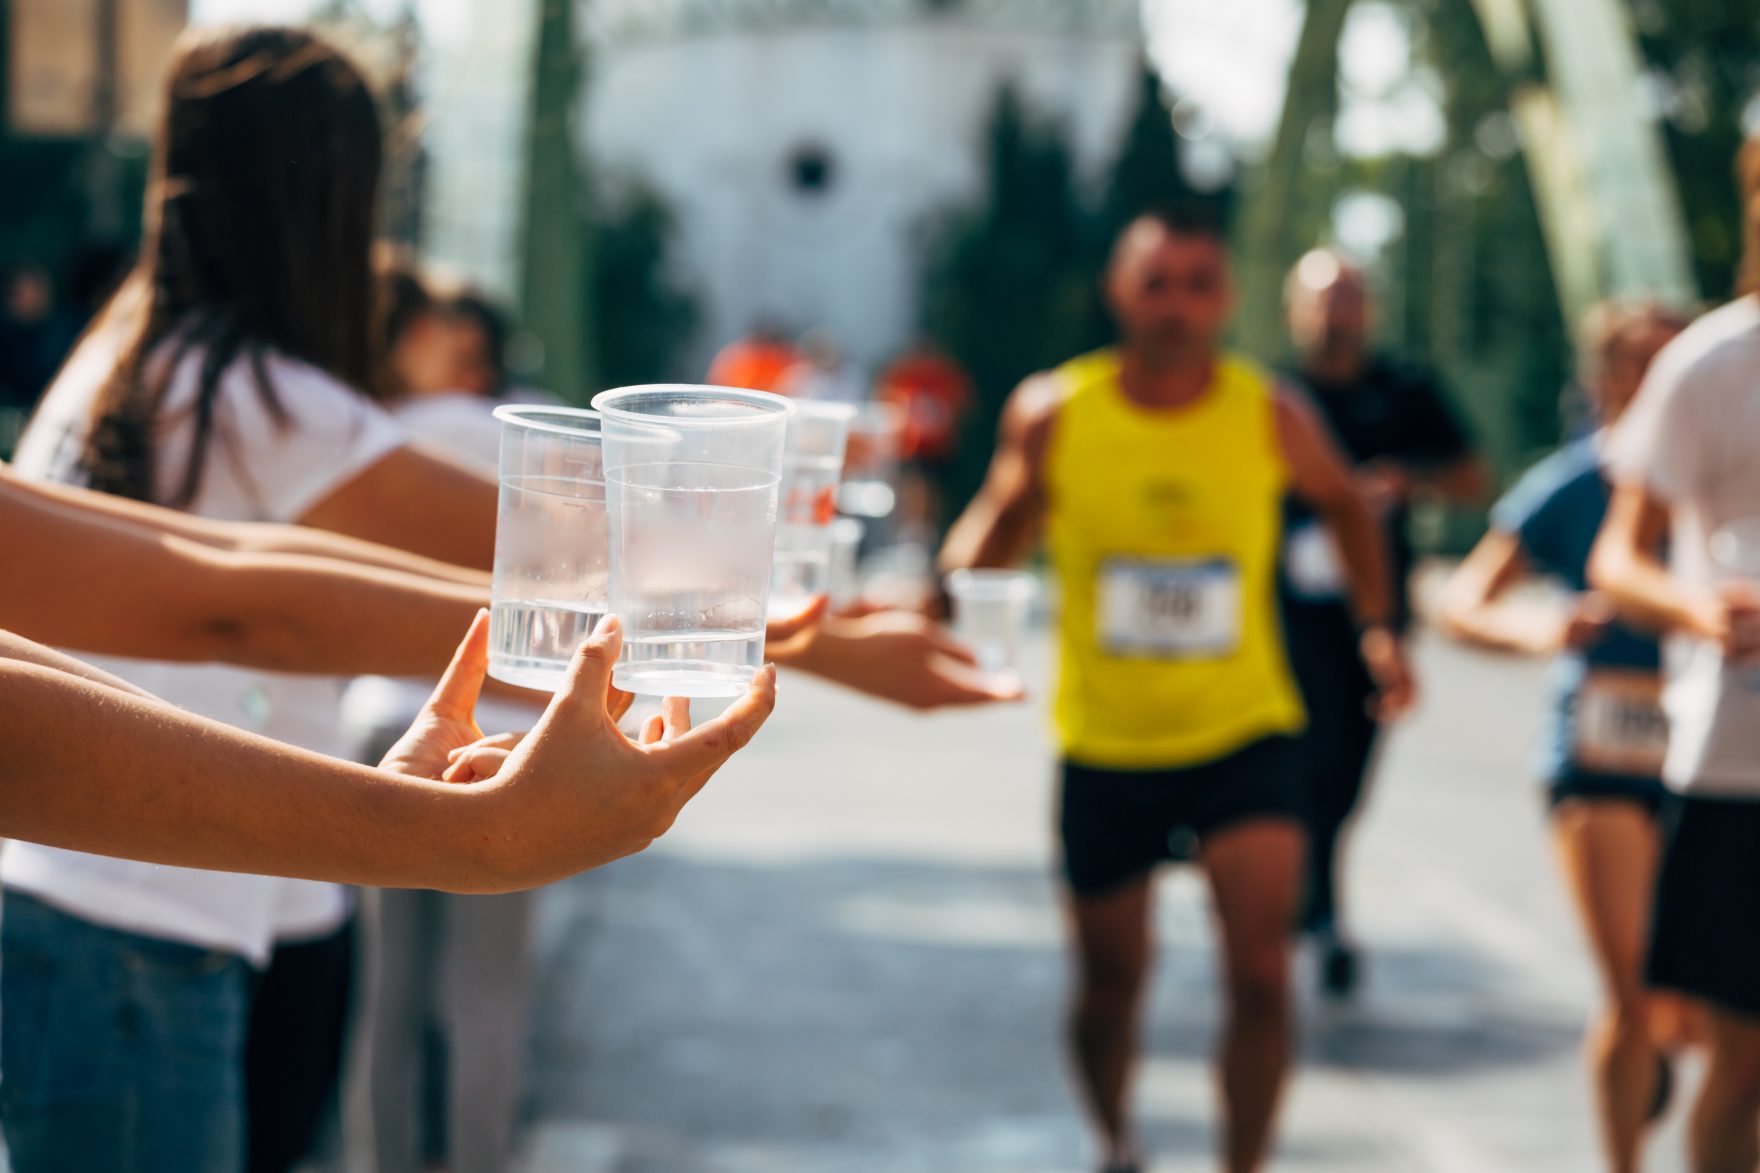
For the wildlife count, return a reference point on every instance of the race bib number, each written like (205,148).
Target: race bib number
(1312,563)
(1174,610)
(1620,725)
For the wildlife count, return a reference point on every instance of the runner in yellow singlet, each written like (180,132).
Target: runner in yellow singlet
(1155,472)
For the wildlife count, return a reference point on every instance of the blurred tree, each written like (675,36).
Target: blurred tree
(557,241)
(643,318)
(1705,58)
(1007,283)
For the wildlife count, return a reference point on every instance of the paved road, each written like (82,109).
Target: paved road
(846,959)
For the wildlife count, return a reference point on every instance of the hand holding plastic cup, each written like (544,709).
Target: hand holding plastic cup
(1735,551)
(990,611)
(551,544)
(691,480)
(812,465)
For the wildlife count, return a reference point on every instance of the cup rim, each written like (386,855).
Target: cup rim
(525,415)
(771,407)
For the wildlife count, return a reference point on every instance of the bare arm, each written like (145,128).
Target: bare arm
(234,537)
(1001,524)
(420,500)
(95,769)
(1460,482)
(22,651)
(115,582)
(1475,611)
(1319,475)
(1627,564)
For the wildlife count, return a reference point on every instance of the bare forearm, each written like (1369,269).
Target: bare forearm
(1646,594)
(1518,628)
(23,651)
(987,536)
(121,775)
(1364,551)
(1462,482)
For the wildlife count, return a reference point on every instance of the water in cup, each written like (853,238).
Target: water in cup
(691,482)
(812,465)
(990,611)
(1735,550)
(551,545)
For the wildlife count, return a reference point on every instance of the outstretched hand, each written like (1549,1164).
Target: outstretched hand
(904,657)
(576,792)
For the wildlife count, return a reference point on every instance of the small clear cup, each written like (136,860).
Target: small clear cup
(552,544)
(1735,552)
(990,613)
(691,480)
(812,466)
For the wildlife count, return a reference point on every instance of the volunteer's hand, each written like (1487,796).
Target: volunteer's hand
(1396,690)
(576,792)
(788,637)
(904,657)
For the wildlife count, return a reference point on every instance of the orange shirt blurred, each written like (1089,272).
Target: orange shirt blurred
(755,364)
(934,393)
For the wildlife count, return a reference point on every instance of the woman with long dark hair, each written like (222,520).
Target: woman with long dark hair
(232,376)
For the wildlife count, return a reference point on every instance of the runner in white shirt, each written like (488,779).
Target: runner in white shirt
(1686,466)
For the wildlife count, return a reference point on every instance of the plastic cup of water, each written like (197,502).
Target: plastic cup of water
(846,571)
(691,480)
(875,437)
(551,544)
(812,465)
(990,611)
(1735,551)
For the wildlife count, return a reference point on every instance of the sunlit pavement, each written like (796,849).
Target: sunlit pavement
(847,957)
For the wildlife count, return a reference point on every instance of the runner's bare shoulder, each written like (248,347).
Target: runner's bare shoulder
(1030,416)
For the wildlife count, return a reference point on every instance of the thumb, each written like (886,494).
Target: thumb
(584,697)
(462,682)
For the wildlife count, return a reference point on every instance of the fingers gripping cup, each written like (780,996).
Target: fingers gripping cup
(812,465)
(551,544)
(691,480)
(990,609)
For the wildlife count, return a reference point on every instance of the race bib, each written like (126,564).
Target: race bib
(1312,563)
(1174,610)
(1620,725)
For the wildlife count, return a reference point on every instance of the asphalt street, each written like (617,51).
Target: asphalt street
(847,958)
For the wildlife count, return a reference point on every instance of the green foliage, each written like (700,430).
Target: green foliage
(643,318)
(1705,55)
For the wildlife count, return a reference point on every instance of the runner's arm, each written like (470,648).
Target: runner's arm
(1475,611)
(1003,521)
(1627,564)
(1319,475)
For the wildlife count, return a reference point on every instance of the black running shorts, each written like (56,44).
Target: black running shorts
(1706,936)
(1119,824)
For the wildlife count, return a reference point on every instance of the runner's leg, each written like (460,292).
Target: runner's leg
(1255,871)
(1113,942)
(1725,1130)
(1609,849)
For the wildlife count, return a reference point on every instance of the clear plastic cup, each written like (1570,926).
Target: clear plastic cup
(876,436)
(1735,551)
(845,587)
(691,479)
(812,465)
(990,612)
(552,545)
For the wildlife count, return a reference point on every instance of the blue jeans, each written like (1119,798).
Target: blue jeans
(118,1053)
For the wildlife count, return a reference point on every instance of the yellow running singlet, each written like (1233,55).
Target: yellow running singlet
(1163,529)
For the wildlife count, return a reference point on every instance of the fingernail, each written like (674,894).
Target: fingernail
(607,624)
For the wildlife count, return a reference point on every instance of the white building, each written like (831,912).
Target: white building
(803,144)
